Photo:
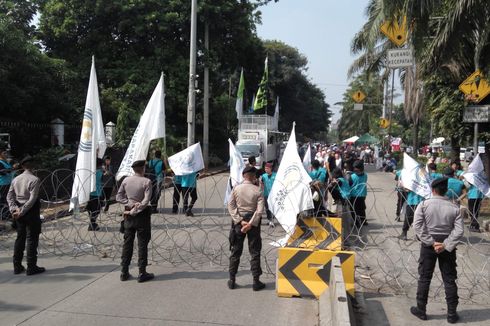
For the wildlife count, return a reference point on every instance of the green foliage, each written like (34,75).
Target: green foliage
(366,121)
(48,159)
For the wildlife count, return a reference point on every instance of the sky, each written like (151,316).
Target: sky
(322,30)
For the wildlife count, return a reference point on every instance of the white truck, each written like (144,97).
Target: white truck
(258,136)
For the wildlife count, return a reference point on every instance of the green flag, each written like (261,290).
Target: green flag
(239,96)
(261,97)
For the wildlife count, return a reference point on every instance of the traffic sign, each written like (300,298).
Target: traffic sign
(358,107)
(384,123)
(476,113)
(475,86)
(396,30)
(358,96)
(399,58)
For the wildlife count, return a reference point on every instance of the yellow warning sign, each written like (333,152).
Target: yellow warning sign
(475,87)
(306,272)
(317,232)
(358,96)
(384,123)
(396,30)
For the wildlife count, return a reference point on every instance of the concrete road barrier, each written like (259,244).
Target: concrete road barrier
(334,303)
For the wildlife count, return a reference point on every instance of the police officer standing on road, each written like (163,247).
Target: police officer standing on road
(135,194)
(439,226)
(23,201)
(246,205)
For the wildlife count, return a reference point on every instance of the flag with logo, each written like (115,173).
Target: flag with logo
(290,193)
(151,126)
(239,96)
(307,159)
(415,178)
(187,161)
(236,167)
(476,176)
(260,101)
(92,145)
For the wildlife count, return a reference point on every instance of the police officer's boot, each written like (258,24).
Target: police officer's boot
(419,311)
(125,274)
(258,285)
(144,276)
(231,282)
(452,315)
(32,270)
(18,268)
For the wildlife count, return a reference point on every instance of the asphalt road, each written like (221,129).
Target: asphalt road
(189,256)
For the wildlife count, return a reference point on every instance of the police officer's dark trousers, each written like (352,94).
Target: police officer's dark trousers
(28,228)
(254,248)
(447,265)
(139,224)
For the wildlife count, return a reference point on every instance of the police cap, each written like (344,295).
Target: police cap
(27,159)
(138,164)
(439,182)
(249,169)
(448,171)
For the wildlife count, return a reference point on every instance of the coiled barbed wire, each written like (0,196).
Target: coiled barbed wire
(384,262)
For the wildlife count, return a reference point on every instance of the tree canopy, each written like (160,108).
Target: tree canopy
(47,66)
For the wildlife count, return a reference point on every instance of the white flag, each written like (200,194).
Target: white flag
(307,159)
(290,193)
(276,114)
(150,127)
(187,161)
(92,144)
(415,178)
(476,176)
(236,167)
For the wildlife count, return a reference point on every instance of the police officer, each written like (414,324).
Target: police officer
(245,206)
(439,226)
(135,194)
(23,201)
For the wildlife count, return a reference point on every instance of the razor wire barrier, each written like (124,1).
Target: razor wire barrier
(384,262)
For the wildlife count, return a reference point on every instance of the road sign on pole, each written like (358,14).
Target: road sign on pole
(396,30)
(384,123)
(475,87)
(358,107)
(399,58)
(358,96)
(476,113)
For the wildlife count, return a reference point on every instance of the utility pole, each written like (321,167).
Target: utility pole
(391,106)
(191,105)
(205,138)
